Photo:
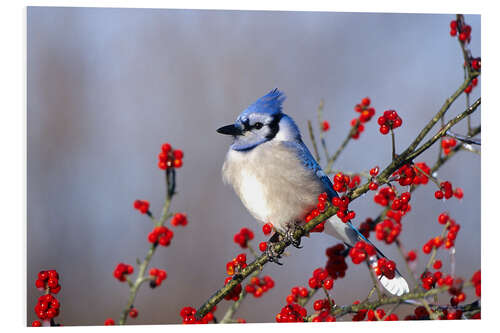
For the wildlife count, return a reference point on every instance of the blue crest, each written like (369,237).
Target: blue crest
(269,104)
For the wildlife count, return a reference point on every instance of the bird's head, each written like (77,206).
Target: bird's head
(261,122)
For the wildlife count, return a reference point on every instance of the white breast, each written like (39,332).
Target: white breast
(272,183)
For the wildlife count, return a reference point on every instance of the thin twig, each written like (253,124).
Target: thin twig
(141,278)
(344,143)
(313,140)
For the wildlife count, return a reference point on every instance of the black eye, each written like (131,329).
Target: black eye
(258,125)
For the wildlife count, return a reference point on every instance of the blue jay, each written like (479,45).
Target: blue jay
(277,178)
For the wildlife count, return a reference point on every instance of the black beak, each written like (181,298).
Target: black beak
(229,130)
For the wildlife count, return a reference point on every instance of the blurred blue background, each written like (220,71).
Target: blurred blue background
(106,87)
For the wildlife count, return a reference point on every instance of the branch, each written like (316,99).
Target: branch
(440,114)
(340,311)
(353,130)
(313,140)
(141,278)
(463,138)
(442,132)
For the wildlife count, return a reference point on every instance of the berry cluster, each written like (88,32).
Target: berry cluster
(323,307)
(179,219)
(472,84)
(421,177)
(142,206)
(406,175)
(355,181)
(361,251)
(475,63)
(291,313)
(463,30)
(257,287)
(320,279)
(243,236)
(448,144)
(476,280)
(387,231)
(365,114)
(234,294)
(446,191)
(325,126)
(47,307)
(188,316)
(456,291)
(386,267)
(401,203)
(237,264)
(340,182)
(161,235)
(384,196)
(168,158)
(320,208)
(453,229)
(343,212)
(420,313)
(159,275)
(366,227)
(336,265)
(295,293)
(48,280)
(433,242)
(389,120)
(121,270)
(373,173)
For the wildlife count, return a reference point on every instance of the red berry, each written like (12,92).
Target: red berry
(384,129)
(36,323)
(365,101)
(177,163)
(133,312)
(437,264)
(267,228)
(325,126)
(166,147)
(109,321)
(263,246)
(439,194)
(178,154)
(319,304)
(328,283)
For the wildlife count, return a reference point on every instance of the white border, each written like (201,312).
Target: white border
(13,140)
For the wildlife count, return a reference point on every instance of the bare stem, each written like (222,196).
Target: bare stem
(313,140)
(141,278)
(332,160)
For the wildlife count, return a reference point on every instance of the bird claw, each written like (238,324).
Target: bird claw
(289,236)
(273,255)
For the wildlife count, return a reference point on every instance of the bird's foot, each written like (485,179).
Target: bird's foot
(288,236)
(271,253)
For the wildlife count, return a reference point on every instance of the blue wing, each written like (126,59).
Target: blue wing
(309,162)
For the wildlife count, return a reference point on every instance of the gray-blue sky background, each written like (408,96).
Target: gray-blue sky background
(106,87)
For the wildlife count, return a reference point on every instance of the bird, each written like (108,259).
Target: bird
(278,180)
